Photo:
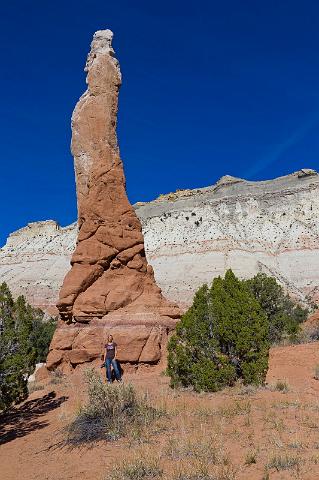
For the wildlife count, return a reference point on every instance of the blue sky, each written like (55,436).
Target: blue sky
(209,88)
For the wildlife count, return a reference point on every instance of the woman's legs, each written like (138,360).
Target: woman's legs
(116,369)
(108,363)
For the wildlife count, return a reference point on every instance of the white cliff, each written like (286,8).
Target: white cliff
(192,236)
(34,261)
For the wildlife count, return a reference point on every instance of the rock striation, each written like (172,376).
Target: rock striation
(191,236)
(268,226)
(35,259)
(110,284)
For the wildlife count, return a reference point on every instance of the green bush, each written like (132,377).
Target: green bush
(24,341)
(222,337)
(284,316)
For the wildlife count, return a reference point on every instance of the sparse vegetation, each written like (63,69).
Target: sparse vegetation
(281,386)
(57,377)
(251,458)
(283,462)
(247,389)
(235,408)
(295,444)
(136,469)
(110,412)
(207,449)
(285,405)
(222,436)
(311,333)
(35,387)
(199,474)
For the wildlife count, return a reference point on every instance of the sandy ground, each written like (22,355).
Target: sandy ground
(239,433)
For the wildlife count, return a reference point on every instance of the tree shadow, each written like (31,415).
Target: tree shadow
(22,420)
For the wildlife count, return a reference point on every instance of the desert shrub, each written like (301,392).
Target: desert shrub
(251,458)
(281,386)
(284,315)
(110,412)
(283,462)
(221,338)
(24,341)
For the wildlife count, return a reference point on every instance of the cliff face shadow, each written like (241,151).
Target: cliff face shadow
(21,421)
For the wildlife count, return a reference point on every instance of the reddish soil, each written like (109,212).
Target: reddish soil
(245,429)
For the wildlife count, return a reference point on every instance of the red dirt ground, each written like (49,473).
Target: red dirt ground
(249,429)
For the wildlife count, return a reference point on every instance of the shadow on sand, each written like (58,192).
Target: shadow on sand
(24,419)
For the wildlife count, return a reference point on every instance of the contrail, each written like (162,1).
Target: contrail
(273,156)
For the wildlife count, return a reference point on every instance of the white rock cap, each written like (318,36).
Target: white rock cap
(100,45)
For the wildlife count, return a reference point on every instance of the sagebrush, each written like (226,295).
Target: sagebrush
(110,412)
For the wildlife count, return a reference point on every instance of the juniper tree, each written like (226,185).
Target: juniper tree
(284,315)
(24,341)
(222,337)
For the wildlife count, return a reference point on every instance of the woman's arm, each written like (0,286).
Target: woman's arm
(103,357)
(115,351)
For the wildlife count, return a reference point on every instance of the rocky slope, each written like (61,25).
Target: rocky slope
(191,236)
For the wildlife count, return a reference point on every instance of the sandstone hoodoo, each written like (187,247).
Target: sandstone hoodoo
(110,284)
(191,237)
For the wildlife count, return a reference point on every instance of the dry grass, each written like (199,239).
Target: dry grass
(281,386)
(251,458)
(139,468)
(231,435)
(34,387)
(235,408)
(111,412)
(284,462)
(57,377)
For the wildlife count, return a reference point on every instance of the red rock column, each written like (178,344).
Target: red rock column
(110,285)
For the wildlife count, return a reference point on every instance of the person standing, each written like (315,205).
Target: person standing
(110,360)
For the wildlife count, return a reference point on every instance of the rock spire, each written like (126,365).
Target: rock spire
(110,282)
(109,269)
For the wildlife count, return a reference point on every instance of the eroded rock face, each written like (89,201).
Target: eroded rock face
(268,226)
(110,282)
(34,261)
(192,236)
(109,269)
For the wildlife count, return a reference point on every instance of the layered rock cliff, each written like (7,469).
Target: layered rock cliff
(35,259)
(190,237)
(269,226)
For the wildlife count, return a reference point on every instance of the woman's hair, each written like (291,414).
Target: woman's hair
(110,337)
